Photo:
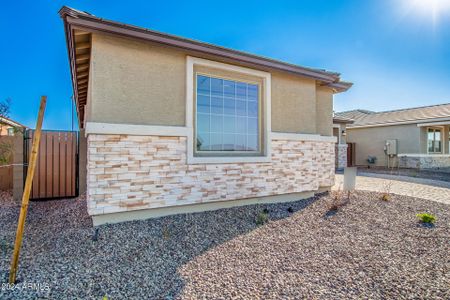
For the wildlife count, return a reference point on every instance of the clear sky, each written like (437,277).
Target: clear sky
(397,52)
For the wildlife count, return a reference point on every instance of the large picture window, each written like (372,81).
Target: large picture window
(227,115)
(434,140)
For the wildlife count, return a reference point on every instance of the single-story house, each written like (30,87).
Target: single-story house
(175,125)
(411,138)
(9,127)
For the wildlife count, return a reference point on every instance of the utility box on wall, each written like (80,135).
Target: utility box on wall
(390,147)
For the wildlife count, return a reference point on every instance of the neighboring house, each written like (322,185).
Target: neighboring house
(175,125)
(412,138)
(9,127)
(339,131)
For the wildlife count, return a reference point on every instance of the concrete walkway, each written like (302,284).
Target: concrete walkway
(438,191)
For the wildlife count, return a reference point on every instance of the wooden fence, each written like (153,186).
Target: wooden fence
(56,174)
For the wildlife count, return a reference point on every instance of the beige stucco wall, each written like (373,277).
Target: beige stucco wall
(135,82)
(324,111)
(293,104)
(371,141)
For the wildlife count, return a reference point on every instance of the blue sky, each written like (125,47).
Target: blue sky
(396,52)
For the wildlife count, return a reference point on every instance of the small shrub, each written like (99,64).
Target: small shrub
(262,218)
(426,218)
(339,200)
(387,186)
(290,209)
(386,197)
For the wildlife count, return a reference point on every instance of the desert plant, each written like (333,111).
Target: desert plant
(262,218)
(387,186)
(290,209)
(426,218)
(339,200)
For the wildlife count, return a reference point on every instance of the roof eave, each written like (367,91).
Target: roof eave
(340,86)
(64,12)
(342,121)
(82,20)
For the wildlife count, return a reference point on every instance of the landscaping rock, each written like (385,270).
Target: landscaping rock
(370,249)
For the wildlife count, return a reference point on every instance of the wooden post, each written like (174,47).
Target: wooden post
(26,192)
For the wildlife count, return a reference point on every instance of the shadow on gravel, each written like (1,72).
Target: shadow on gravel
(126,260)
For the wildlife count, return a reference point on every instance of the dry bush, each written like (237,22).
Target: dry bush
(339,200)
(386,194)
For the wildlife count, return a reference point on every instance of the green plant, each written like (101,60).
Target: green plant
(262,218)
(426,218)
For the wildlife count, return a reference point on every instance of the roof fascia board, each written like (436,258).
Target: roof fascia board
(418,122)
(447,122)
(71,51)
(10,122)
(128,31)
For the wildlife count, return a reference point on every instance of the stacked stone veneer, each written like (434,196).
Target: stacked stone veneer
(127,172)
(341,155)
(424,161)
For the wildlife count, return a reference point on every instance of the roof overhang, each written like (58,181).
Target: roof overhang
(85,23)
(442,122)
(420,123)
(340,120)
(10,122)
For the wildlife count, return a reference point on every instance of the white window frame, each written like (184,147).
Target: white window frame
(11,131)
(265,117)
(441,130)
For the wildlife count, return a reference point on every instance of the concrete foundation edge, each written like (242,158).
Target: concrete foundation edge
(200,207)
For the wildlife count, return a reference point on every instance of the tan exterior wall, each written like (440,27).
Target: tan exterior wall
(4,129)
(134,82)
(371,141)
(324,111)
(127,173)
(293,104)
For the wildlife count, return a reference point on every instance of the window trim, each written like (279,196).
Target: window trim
(264,155)
(10,131)
(441,131)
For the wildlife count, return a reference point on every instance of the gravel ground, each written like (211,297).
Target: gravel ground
(368,249)
(438,174)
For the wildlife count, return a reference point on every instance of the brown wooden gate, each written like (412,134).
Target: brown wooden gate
(350,154)
(56,174)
